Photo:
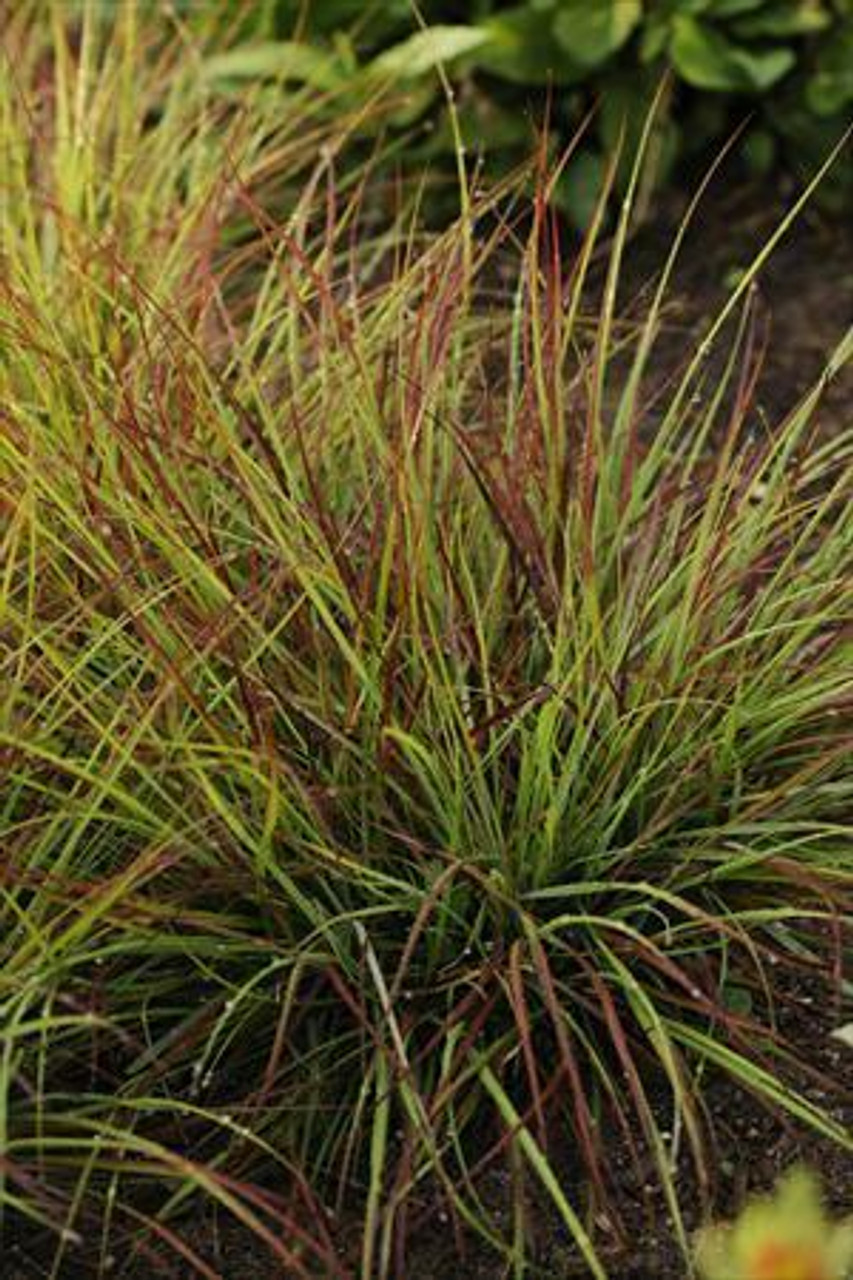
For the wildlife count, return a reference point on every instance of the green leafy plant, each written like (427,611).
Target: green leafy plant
(424,724)
(786,61)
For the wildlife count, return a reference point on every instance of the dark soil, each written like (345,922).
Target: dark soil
(806,296)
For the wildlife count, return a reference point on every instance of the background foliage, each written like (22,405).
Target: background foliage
(787,64)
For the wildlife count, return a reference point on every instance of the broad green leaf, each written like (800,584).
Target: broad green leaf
(707,60)
(427,50)
(654,38)
(763,69)
(591,32)
(276,59)
(626,100)
(759,151)
(844,1034)
(497,130)
(666,10)
(577,190)
(525,50)
(731,8)
(786,18)
(830,89)
(328,16)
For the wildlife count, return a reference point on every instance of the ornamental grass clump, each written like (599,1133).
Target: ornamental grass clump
(424,726)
